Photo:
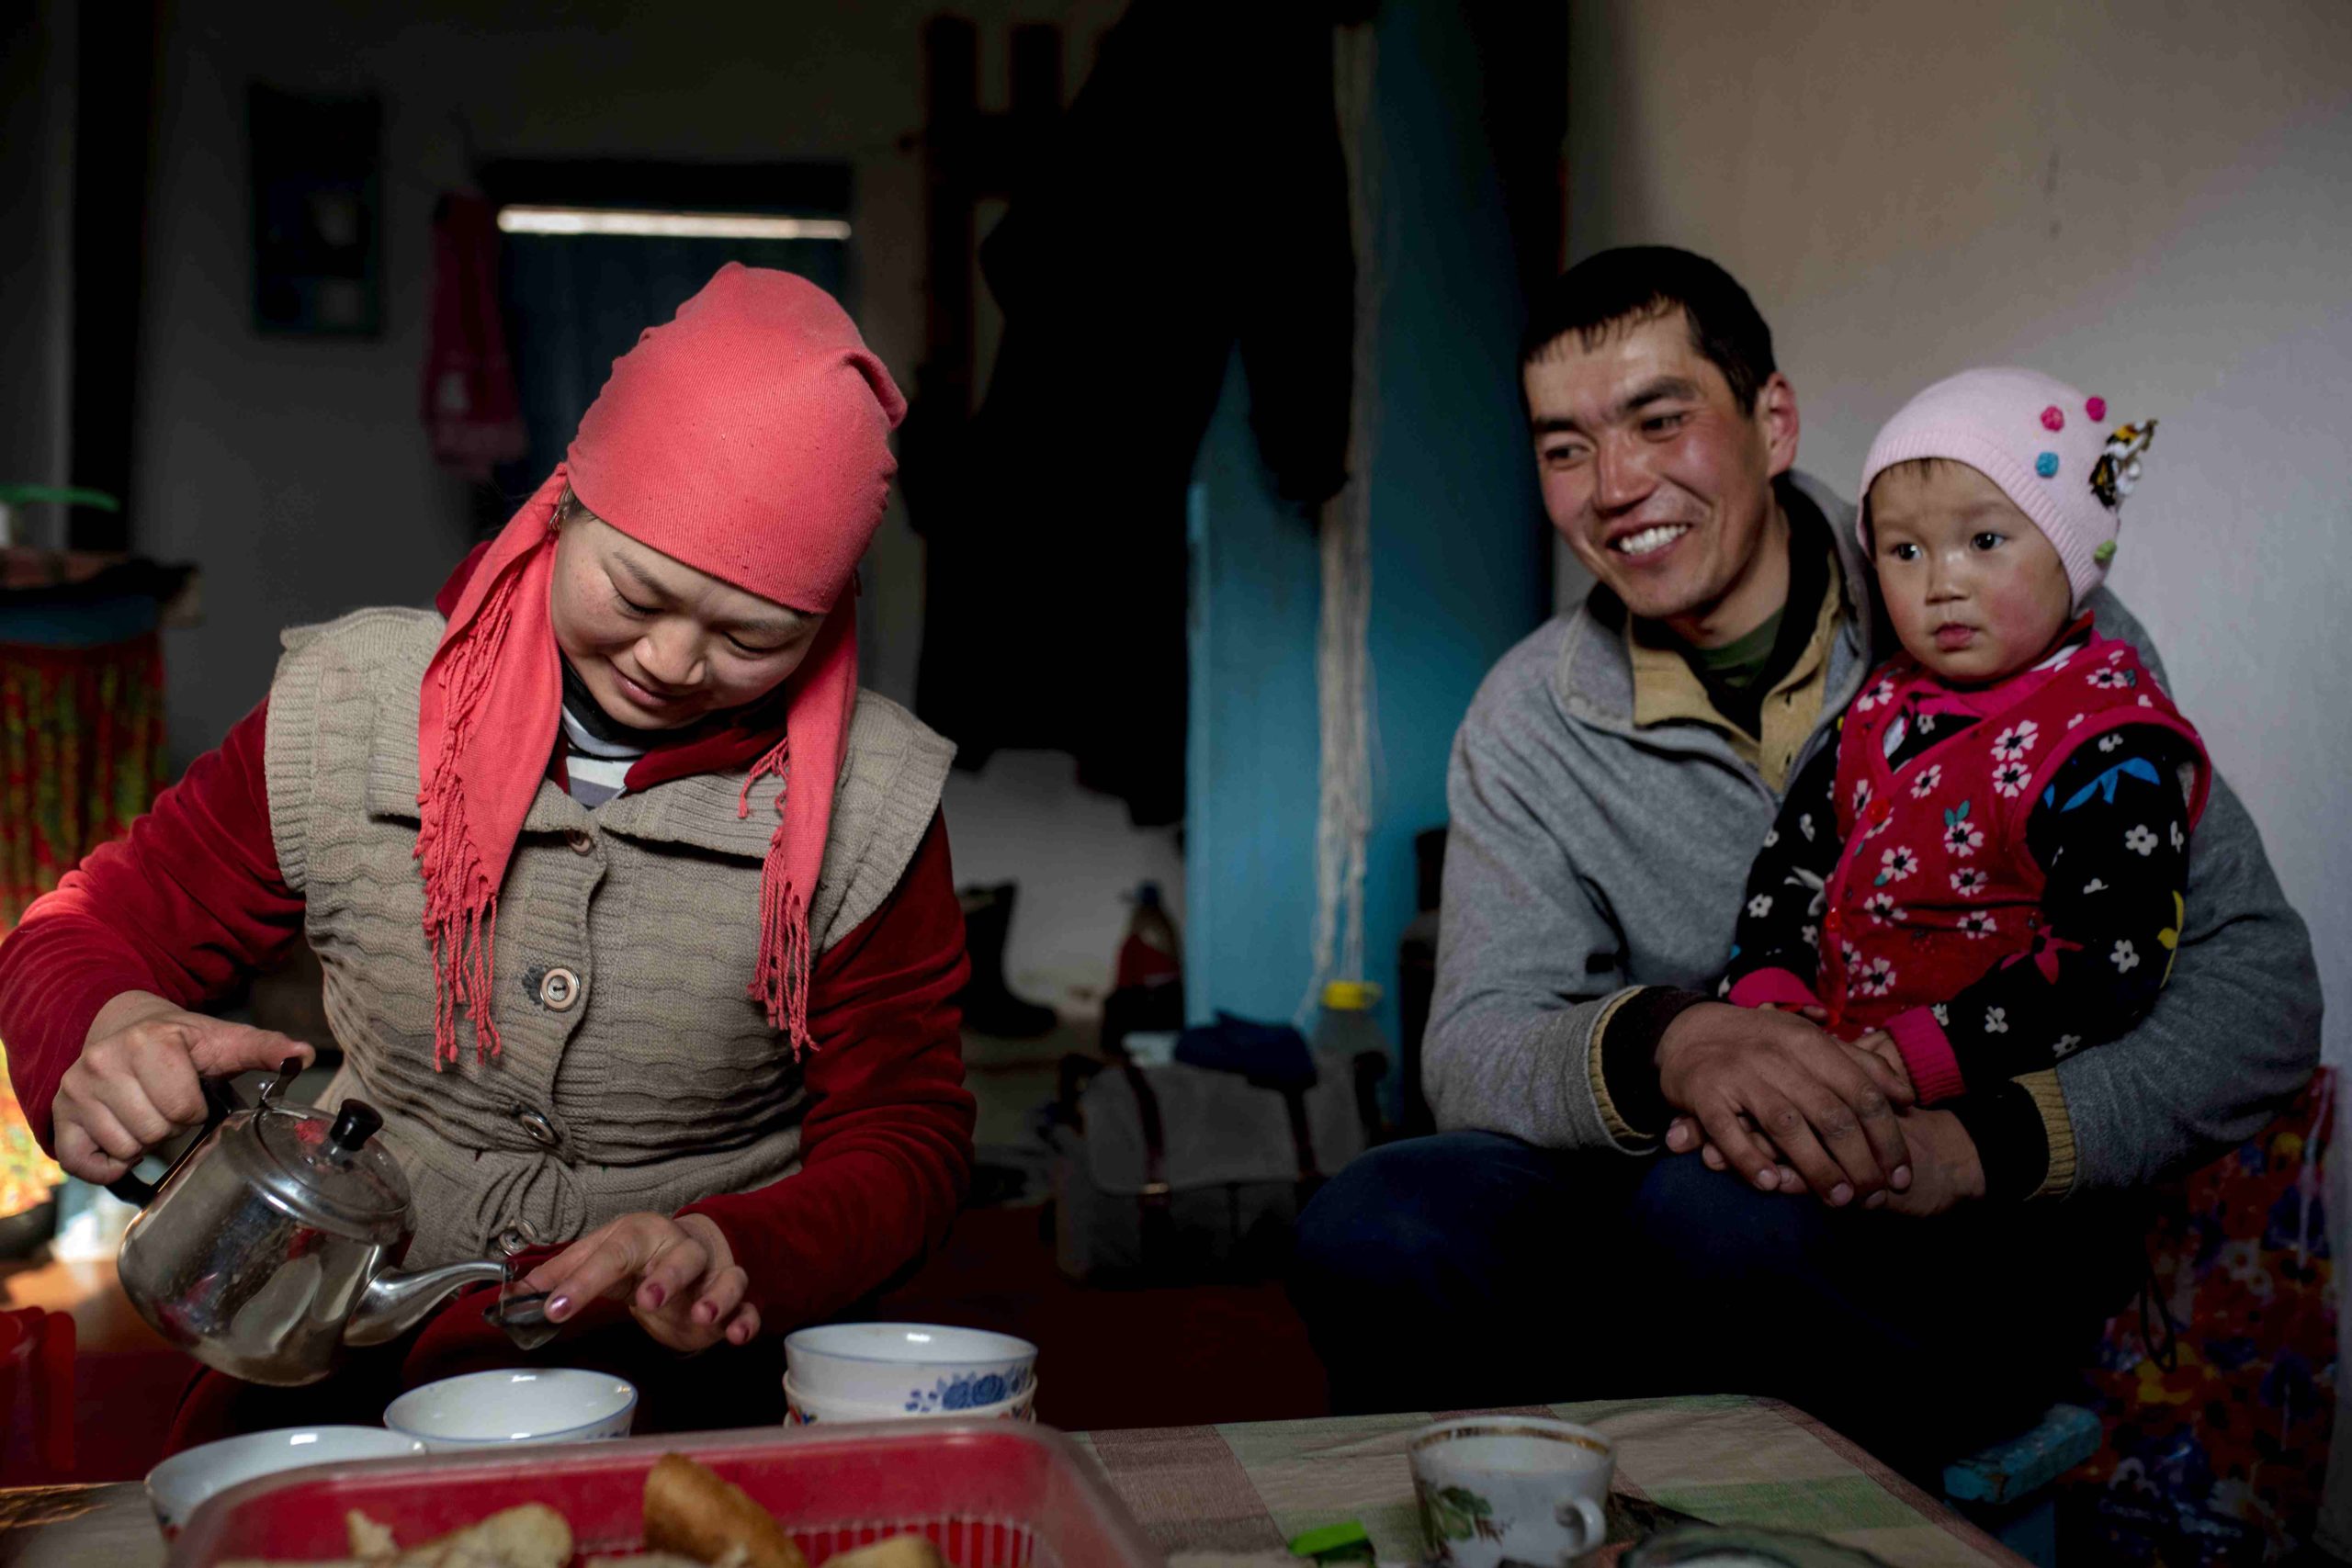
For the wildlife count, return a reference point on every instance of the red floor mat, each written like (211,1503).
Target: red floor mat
(1186,1356)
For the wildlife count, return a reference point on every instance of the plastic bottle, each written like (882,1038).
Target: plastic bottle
(1150,953)
(1346,1025)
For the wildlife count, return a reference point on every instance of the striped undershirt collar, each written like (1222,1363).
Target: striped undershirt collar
(596,767)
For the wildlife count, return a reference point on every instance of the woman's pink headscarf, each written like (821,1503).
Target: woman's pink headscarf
(749,438)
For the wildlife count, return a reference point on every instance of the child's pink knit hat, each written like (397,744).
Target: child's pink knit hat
(2045,444)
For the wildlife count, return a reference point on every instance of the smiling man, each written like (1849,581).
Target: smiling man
(1905,1273)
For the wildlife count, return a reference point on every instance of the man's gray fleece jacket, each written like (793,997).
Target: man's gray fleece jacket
(1587,856)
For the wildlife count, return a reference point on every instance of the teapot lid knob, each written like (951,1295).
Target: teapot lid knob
(358,1122)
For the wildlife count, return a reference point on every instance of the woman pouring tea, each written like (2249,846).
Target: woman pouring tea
(635,916)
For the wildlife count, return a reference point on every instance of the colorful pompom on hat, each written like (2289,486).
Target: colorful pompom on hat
(2046,445)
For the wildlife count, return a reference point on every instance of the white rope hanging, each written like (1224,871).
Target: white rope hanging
(1342,659)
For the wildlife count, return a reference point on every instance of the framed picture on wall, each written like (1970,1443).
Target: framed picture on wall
(318,214)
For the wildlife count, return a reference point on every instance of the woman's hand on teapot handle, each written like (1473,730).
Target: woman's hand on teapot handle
(136,1084)
(679,1277)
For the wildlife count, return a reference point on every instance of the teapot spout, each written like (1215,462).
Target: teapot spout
(394,1302)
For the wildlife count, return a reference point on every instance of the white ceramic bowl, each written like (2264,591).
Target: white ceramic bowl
(892,1365)
(545,1404)
(804,1409)
(176,1486)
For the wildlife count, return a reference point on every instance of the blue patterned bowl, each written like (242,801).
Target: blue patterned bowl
(915,1369)
(801,1409)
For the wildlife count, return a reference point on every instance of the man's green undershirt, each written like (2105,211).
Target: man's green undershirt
(1738,662)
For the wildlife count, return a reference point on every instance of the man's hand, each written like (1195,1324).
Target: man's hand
(679,1277)
(1683,1134)
(1821,1105)
(1948,1168)
(135,1084)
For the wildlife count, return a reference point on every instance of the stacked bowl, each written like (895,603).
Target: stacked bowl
(176,1486)
(898,1371)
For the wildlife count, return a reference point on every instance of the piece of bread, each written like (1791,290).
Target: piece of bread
(691,1511)
(531,1536)
(899,1552)
(369,1538)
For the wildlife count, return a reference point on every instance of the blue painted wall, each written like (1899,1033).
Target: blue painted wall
(1459,563)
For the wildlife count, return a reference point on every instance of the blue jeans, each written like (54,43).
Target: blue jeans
(1471,1269)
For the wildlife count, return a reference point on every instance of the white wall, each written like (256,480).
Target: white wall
(295,471)
(1075,879)
(2152,201)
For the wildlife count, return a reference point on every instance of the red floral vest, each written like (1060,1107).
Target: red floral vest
(1935,884)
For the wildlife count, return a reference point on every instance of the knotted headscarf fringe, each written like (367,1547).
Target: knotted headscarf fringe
(780,982)
(460,896)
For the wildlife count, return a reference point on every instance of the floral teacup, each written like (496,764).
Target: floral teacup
(1511,1488)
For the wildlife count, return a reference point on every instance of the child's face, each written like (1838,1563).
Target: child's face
(1975,590)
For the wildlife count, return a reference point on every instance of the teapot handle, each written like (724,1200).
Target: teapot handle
(220,1102)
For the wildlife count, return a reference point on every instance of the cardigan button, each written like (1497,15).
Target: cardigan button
(541,1130)
(559,990)
(581,840)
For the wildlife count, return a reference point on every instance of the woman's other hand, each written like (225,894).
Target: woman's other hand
(136,1084)
(678,1276)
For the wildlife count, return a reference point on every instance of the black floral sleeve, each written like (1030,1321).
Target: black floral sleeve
(1780,907)
(2110,832)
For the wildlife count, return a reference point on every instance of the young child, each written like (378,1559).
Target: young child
(1984,872)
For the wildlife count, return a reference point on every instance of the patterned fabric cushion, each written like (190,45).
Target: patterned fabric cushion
(2217,1444)
(81,754)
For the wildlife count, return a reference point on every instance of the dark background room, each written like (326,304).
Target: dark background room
(1214,509)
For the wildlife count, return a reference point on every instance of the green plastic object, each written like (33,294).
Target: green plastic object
(64,495)
(1334,1543)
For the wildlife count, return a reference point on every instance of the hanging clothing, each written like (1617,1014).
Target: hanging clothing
(1193,199)
(472,411)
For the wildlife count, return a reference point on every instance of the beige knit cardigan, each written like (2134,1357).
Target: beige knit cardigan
(637,1071)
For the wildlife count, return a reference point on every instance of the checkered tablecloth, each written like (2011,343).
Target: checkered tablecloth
(1727,1460)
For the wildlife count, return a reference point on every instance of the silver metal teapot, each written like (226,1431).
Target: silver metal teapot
(272,1244)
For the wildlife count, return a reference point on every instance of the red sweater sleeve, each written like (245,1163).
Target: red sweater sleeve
(187,904)
(886,1149)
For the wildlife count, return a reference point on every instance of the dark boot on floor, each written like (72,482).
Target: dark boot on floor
(989,1007)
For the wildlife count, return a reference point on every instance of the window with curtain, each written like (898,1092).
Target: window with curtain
(574,301)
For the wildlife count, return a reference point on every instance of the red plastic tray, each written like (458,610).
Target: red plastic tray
(991,1494)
